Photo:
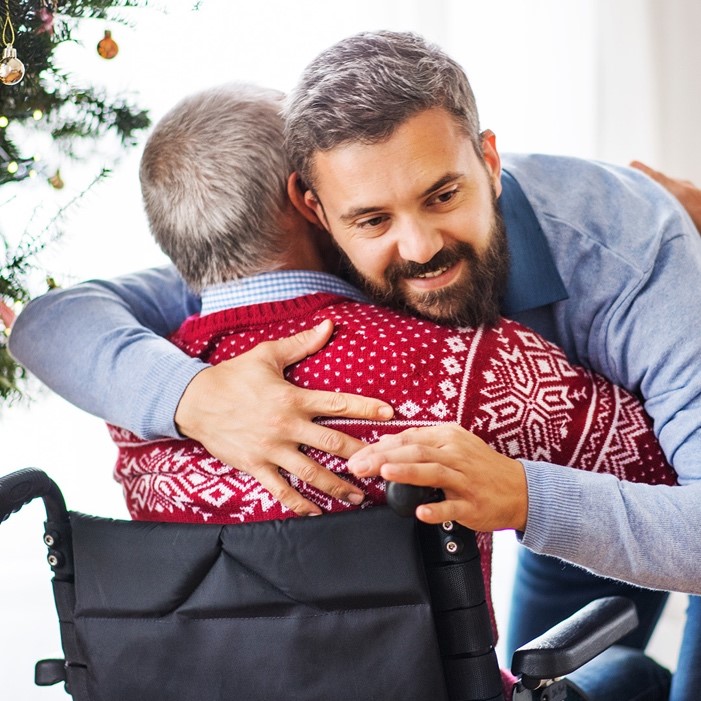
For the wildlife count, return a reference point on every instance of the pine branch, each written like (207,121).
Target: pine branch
(48,101)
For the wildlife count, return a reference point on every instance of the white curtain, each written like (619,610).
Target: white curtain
(648,86)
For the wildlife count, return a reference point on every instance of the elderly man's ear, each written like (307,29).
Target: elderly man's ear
(304,201)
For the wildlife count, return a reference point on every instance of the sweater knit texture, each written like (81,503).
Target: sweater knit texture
(506,384)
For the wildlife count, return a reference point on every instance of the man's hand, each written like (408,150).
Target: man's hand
(484,490)
(246,414)
(684,190)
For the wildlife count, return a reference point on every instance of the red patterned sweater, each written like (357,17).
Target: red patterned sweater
(508,385)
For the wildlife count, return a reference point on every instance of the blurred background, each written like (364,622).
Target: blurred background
(613,80)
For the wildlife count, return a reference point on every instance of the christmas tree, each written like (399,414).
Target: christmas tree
(37,96)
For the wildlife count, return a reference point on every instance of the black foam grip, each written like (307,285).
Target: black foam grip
(20,488)
(404,498)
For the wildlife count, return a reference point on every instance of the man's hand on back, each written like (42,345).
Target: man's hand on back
(246,414)
(684,190)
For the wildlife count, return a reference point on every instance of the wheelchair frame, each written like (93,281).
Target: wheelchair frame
(462,662)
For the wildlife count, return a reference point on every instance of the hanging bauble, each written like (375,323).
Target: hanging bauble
(107,47)
(11,68)
(56,181)
(7,315)
(47,21)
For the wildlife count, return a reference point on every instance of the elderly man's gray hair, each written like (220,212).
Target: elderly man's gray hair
(213,178)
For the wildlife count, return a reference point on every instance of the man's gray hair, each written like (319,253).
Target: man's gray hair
(214,178)
(364,87)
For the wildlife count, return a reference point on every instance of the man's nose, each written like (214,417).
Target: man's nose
(418,243)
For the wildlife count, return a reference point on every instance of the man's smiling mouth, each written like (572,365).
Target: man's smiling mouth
(434,273)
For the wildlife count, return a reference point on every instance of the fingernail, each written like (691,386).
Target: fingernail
(424,511)
(386,412)
(358,466)
(356,499)
(314,513)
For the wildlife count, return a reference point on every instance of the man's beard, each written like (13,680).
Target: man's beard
(472,300)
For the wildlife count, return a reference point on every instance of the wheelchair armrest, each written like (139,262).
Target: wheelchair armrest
(574,641)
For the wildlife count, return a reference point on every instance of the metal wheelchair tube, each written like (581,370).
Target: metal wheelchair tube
(454,573)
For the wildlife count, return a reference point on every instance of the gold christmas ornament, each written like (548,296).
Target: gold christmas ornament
(11,68)
(56,181)
(107,46)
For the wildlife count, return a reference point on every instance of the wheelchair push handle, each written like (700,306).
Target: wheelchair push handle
(20,488)
(404,498)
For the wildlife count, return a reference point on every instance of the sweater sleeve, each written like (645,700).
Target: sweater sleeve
(639,326)
(640,533)
(643,534)
(101,345)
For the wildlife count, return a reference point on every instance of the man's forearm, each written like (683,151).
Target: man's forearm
(90,343)
(640,533)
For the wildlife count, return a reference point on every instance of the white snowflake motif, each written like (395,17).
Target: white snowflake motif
(217,495)
(452,365)
(194,479)
(448,389)
(456,344)
(439,410)
(409,409)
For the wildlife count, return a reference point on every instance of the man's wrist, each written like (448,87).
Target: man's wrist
(189,407)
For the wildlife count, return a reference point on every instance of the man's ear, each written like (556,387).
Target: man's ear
(491,158)
(304,201)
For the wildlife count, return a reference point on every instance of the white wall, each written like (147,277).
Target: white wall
(607,79)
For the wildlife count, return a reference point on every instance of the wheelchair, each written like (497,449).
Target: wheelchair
(363,605)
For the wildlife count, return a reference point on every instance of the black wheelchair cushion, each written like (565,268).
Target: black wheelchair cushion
(335,607)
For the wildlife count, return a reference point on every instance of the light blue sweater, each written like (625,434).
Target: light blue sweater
(604,263)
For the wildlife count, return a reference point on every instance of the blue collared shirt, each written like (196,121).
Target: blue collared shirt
(274,287)
(533,278)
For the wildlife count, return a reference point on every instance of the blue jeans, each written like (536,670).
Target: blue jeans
(622,674)
(547,590)
(686,682)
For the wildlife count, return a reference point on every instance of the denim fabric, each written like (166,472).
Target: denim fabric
(547,590)
(686,683)
(622,674)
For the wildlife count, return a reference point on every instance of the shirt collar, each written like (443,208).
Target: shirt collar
(534,280)
(274,286)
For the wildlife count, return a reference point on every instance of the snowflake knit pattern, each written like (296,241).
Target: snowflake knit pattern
(506,384)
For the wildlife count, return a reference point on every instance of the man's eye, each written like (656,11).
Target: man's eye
(371,223)
(445,196)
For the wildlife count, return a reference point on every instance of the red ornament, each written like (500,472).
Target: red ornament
(7,316)
(47,21)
